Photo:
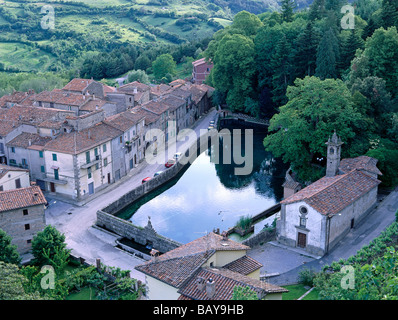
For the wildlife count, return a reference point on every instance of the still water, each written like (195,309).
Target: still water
(207,196)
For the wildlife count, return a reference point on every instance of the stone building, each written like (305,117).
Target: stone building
(22,215)
(317,217)
(201,69)
(208,268)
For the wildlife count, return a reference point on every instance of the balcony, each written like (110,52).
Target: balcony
(91,162)
(53,180)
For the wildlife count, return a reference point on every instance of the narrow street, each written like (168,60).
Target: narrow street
(76,221)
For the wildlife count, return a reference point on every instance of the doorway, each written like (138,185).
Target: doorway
(302,240)
(91,188)
(352,223)
(52,186)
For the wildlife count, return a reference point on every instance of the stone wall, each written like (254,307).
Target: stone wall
(143,236)
(106,217)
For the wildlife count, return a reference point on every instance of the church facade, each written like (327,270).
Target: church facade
(317,217)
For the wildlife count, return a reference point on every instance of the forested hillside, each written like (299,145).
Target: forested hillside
(310,76)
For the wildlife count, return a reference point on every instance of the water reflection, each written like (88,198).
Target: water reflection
(208,196)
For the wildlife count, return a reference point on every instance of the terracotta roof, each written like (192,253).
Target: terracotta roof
(182,92)
(76,142)
(21,198)
(93,104)
(125,120)
(175,271)
(141,87)
(160,89)
(173,102)
(15,97)
(77,84)
(198,92)
(225,281)
(330,195)
(200,62)
(150,117)
(155,107)
(244,265)
(176,266)
(4,169)
(361,163)
(26,140)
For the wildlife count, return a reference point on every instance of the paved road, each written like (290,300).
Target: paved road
(291,262)
(76,221)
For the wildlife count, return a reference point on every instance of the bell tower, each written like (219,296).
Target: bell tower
(333,157)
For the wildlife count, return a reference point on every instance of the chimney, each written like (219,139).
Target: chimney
(30,142)
(35,196)
(210,288)
(200,283)
(135,90)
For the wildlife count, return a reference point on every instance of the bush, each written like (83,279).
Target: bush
(244,222)
(306,277)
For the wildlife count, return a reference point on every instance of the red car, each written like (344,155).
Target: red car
(170,163)
(145,180)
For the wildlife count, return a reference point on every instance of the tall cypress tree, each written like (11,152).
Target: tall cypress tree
(305,56)
(327,57)
(287,11)
(389,13)
(317,10)
(369,29)
(349,48)
(281,64)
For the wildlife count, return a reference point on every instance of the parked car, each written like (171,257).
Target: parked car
(210,128)
(170,163)
(145,180)
(157,173)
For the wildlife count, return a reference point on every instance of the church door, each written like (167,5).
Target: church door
(302,240)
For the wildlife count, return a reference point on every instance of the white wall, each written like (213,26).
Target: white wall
(8,180)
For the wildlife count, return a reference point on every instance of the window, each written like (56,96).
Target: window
(29,241)
(13,161)
(27,226)
(1,188)
(24,162)
(105,162)
(96,166)
(89,172)
(303,221)
(25,212)
(56,174)
(121,139)
(41,154)
(88,157)
(17,183)
(54,157)
(96,152)
(104,148)
(42,169)
(12,149)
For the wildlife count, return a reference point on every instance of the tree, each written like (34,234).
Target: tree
(287,10)
(8,252)
(163,65)
(315,108)
(234,69)
(389,13)
(281,65)
(305,57)
(244,293)
(247,23)
(12,284)
(317,10)
(142,62)
(327,56)
(349,48)
(46,244)
(138,75)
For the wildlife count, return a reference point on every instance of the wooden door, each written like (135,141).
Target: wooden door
(52,186)
(302,240)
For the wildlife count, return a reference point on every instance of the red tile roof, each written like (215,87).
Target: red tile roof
(225,281)
(330,195)
(125,120)
(4,169)
(26,140)
(155,107)
(21,198)
(76,142)
(244,265)
(77,84)
(362,162)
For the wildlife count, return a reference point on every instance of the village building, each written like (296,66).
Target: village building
(22,215)
(318,216)
(17,97)
(208,268)
(201,69)
(13,178)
